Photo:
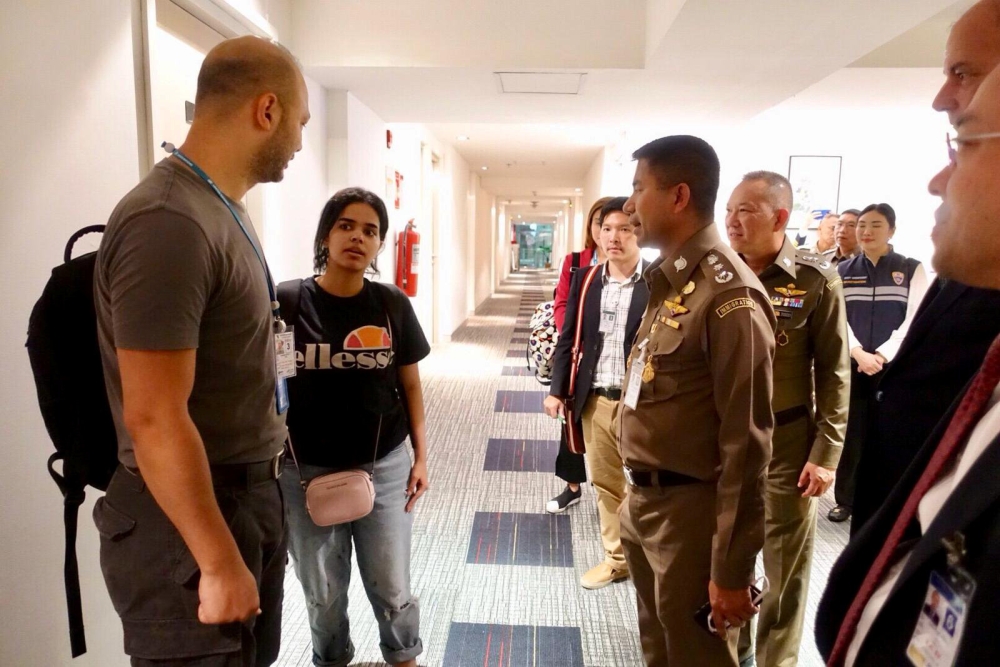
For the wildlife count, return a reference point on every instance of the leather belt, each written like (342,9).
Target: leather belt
(247,475)
(647,478)
(614,394)
(786,417)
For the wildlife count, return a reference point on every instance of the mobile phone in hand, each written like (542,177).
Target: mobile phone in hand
(703,617)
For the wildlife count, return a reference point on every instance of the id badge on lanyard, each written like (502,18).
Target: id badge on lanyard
(938,635)
(284,366)
(635,377)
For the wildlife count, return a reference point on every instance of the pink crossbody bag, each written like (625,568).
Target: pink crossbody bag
(345,496)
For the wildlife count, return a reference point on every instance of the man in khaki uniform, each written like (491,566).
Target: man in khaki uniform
(808,300)
(695,418)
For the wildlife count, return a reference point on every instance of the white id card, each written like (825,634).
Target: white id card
(631,398)
(284,353)
(938,634)
(607,321)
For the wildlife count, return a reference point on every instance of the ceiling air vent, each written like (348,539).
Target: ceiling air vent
(540,83)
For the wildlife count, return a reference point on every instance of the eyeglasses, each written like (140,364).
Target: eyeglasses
(954,143)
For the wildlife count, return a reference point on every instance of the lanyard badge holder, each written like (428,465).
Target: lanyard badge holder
(938,634)
(284,336)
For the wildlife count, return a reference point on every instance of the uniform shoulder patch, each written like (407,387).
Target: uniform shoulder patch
(821,263)
(718,268)
(735,304)
(834,283)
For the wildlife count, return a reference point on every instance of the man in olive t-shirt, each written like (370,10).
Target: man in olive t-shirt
(192,542)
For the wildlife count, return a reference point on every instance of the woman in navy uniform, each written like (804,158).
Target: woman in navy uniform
(883,290)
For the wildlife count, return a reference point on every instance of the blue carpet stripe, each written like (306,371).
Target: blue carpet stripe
(479,644)
(519,401)
(503,538)
(521,455)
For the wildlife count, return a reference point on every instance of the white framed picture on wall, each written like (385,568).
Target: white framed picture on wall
(815,183)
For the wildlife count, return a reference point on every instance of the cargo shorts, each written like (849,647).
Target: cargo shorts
(152,577)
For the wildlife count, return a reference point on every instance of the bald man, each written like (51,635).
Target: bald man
(956,322)
(192,542)
(825,239)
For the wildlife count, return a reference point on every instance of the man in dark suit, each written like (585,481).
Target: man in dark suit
(939,529)
(955,324)
(614,299)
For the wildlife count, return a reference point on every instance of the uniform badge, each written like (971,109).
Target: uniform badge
(647,371)
(735,304)
(825,265)
(787,262)
(713,260)
(673,324)
(675,308)
(724,277)
(897,277)
(790,291)
(688,289)
(680,264)
(781,338)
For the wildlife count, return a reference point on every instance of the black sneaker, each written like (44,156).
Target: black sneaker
(563,501)
(839,513)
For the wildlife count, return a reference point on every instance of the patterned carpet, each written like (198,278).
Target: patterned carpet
(496,576)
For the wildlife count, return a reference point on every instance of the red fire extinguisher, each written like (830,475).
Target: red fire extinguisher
(407,259)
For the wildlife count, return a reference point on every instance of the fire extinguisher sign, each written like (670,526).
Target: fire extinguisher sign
(415,265)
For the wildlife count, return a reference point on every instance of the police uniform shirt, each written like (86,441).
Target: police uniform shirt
(807,296)
(835,257)
(882,300)
(347,374)
(704,405)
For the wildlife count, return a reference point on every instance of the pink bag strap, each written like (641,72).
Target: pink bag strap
(578,333)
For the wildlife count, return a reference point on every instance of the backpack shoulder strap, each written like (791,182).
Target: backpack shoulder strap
(289,296)
(93,229)
(576,260)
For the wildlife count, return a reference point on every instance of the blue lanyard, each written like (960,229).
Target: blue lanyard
(176,152)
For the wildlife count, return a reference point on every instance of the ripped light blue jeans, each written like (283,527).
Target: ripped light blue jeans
(322,559)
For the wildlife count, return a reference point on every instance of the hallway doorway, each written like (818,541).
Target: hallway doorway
(535,245)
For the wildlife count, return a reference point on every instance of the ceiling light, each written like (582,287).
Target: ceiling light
(484,167)
(462,137)
(577,189)
(565,201)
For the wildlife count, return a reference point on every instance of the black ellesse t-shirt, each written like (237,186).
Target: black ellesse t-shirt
(347,373)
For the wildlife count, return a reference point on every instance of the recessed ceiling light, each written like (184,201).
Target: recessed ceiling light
(462,137)
(484,167)
(577,189)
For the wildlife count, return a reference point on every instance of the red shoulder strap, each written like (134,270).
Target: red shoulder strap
(578,333)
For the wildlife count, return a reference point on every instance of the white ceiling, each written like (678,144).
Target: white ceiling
(671,64)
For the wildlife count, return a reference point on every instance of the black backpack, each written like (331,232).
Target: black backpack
(69,379)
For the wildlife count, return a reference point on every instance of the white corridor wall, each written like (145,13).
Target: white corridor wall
(71,152)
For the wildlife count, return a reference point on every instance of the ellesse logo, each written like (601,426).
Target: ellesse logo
(368,338)
(366,348)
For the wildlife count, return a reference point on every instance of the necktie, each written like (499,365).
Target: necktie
(966,416)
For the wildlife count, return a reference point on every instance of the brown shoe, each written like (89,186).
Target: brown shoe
(602,575)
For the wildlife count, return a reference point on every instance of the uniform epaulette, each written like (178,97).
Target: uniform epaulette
(820,263)
(722,272)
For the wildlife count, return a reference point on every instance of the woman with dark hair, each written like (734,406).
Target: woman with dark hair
(355,399)
(883,290)
(570,467)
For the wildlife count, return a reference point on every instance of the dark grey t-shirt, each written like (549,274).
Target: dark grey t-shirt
(175,272)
